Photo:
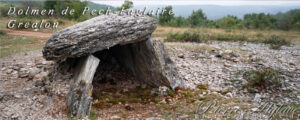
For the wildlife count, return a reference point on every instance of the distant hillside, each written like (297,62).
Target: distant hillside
(40,3)
(97,6)
(216,11)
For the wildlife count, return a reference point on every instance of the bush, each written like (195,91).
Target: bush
(197,37)
(261,79)
(184,37)
(60,21)
(3,11)
(178,22)
(230,37)
(2,33)
(276,42)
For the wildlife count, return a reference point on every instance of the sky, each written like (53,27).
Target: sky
(116,3)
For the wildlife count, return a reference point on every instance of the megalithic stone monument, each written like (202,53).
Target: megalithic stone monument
(126,38)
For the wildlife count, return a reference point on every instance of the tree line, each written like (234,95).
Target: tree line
(284,21)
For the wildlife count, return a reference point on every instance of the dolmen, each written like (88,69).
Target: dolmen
(127,38)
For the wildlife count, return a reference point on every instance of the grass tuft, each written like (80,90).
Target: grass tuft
(262,79)
(276,42)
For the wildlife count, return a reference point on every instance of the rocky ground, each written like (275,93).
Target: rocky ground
(27,93)
(216,65)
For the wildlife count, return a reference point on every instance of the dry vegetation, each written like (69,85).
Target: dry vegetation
(248,35)
(11,45)
(181,103)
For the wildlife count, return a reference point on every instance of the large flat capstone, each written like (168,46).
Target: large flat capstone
(97,34)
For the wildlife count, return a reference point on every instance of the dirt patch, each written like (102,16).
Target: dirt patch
(27,33)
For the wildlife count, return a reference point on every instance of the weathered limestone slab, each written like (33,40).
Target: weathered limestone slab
(149,62)
(97,34)
(79,96)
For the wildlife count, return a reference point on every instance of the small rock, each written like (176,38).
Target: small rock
(181,56)
(255,59)
(218,55)
(236,107)
(23,73)
(17,96)
(14,117)
(163,91)
(236,60)
(115,117)
(227,51)
(127,107)
(229,95)
(3,69)
(227,64)
(234,55)
(33,72)
(39,83)
(16,67)
(34,98)
(153,118)
(298,68)
(291,63)
(9,71)
(14,72)
(183,117)
(254,109)
(257,97)
(201,56)
(163,101)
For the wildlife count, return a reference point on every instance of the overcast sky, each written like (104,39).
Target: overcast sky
(198,2)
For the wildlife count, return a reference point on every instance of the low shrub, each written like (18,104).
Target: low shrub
(60,21)
(184,37)
(266,78)
(276,41)
(198,37)
(230,37)
(2,32)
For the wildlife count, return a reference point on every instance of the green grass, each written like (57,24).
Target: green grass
(10,45)
(11,51)
(137,95)
(16,41)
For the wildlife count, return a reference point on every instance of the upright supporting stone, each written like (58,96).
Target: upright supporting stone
(148,61)
(79,96)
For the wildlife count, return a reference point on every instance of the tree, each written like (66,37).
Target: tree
(197,18)
(77,5)
(126,5)
(284,23)
(228,22)
(165,17)
(259,21)
(178,22)
(50,4)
